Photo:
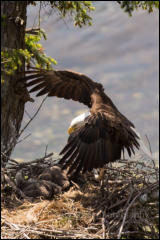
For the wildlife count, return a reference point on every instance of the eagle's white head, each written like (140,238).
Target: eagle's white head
(77,122)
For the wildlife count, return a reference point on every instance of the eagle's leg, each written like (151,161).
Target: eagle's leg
(100,176)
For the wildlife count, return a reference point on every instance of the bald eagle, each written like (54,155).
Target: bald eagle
(96,137)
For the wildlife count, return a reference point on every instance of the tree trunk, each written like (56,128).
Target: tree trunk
(12,94)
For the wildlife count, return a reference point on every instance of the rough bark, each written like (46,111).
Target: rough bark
(12,94)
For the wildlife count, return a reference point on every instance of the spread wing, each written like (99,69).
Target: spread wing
(63,84)
(99,141)
(104,134)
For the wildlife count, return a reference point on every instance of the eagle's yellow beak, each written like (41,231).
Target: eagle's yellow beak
(70,130)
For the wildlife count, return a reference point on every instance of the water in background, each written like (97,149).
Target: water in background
(119,51)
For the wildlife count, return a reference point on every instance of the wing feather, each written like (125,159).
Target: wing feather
(35,81)
(100,140)
(38,87)
(63,84)
(79,158)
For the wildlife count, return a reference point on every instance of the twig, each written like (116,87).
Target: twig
(15,226)
(46,150)
(33,116)
(103,226)
(75,184)
(21,140)
(39,14)
(33,31)
(27,114)
(36,160)
(116,204)
(149,144)
(125,215)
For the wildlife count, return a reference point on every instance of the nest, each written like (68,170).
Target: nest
(124,205)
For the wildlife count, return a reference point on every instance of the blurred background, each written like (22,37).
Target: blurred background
(119,51)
